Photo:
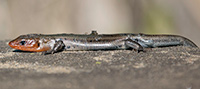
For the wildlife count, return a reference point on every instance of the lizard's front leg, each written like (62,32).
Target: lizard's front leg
(58,46)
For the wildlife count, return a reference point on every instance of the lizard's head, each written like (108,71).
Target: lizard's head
(28,42)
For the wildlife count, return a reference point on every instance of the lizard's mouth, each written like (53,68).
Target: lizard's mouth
(32,45)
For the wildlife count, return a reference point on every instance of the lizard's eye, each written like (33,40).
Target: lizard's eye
(22,42)
(38,44)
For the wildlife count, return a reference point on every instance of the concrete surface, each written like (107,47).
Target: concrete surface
(158,68)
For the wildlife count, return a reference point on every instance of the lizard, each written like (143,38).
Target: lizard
(52,43)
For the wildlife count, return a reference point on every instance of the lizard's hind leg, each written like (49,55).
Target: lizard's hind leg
(134,45)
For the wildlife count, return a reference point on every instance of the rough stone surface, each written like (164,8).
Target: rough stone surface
(158,68)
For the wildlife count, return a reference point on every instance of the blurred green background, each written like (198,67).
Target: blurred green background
(181,17)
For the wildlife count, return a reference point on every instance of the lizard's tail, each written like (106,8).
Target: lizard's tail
(189,43)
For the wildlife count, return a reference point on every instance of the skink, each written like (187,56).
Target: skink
(94,41)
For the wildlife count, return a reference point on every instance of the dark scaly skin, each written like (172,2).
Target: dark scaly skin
(94,41)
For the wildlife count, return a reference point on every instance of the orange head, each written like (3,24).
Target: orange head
(28,42)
